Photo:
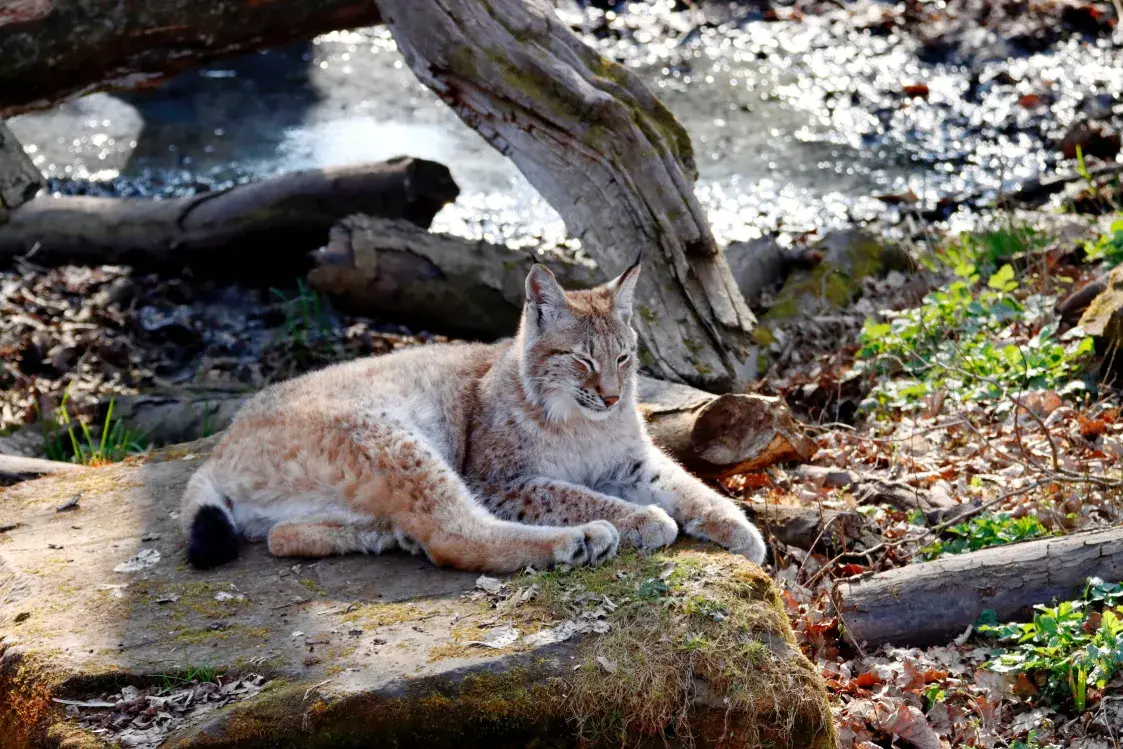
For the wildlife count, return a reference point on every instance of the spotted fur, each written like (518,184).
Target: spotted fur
(526,452)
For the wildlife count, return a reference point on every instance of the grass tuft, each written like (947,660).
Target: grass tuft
(69,439)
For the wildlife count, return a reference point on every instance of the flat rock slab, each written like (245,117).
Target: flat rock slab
(98,608)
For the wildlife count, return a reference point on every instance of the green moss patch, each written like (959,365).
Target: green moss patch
(687,626)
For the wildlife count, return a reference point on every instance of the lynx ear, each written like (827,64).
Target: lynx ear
(623,289)
(545,298)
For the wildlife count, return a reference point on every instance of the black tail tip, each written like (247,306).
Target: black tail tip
(213,540)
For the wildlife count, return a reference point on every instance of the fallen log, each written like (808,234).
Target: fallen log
(256,232)
(721,435)
(393,270)
(15,468)
(933,602)
(53,49)
(711,435)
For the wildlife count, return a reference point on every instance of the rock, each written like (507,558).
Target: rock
(1104,317)
(375,651)
(26,442)
(848,256)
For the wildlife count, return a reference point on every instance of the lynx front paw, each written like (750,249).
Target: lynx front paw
(734,532)
(591,543)
(648,527)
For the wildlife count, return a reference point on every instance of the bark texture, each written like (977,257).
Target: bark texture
(394,270)
(20,180)
(933,602)
(254,232)
(53,49)
(717,436)
(604,152)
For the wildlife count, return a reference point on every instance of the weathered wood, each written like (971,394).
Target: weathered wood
(933,602)
(396,271)
(604,152)
(52,49)
(392,269)
(256,232)
(15,468)
(19,179)
(717,436)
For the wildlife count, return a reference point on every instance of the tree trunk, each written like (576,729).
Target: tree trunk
(605,153)
(19,179)
(52,49)
(258,232)
(933,602)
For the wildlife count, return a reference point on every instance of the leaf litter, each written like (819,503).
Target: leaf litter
(142,718)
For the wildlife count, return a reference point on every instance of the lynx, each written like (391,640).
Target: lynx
(491,457)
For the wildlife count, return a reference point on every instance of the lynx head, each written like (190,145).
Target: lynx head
(578,349)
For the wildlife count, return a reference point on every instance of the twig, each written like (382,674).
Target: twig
(314,686)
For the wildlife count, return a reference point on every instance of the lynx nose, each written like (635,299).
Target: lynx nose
(610,400)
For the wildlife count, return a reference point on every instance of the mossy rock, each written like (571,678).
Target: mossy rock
(366,651)
(847,257)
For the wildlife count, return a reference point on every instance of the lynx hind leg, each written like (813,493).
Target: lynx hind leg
(323,537)
(428,502)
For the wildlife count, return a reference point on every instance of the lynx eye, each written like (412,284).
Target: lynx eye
(584,362)
(623,358)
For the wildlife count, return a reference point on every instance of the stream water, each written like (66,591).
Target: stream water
(797,123)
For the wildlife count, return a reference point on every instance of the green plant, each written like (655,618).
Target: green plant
(983,532)
(1107,247)
(306,317)
(187,675)
(1066,648)
(989,249)
(69,439)
(958,341)
(1031,742)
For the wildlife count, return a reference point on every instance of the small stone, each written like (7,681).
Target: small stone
(70,504)
(23,616)
(144,558)
(489,584)
(607,665)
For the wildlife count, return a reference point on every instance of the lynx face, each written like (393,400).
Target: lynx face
(578,348)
